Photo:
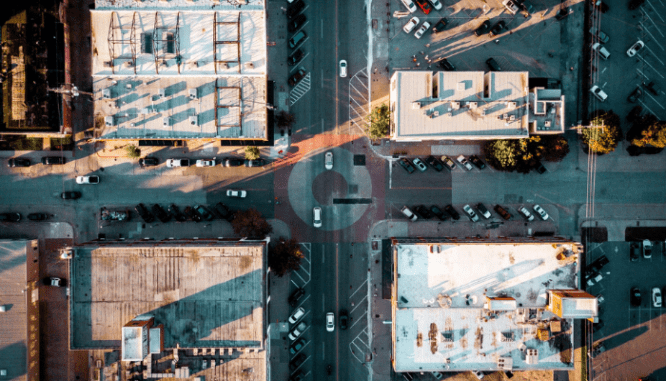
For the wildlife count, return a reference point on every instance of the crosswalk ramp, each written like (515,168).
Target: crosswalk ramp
(299,90)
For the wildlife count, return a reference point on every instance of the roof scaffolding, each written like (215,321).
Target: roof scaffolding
(166,44)
(228,98)
(114,40)
(217,41)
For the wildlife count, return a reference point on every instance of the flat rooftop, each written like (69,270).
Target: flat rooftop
(208,295)
(459,105)
(444,292)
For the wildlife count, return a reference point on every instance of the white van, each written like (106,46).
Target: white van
(597,47)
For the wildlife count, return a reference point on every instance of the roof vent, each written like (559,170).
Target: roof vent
(193,94)
(471,105)
(193,120)
(416,105)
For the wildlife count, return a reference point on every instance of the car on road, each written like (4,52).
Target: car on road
(483,210)
(603,52)
(143,212)
(440,26)
(70,195)
(343,319)
(316,217)
(656,297)
(297,331)
(255,163)
(410,5)
(297,39)
(470,212)
(436,4)
(635,297)
(330,322)
(599,35)
(236,193)
(450,164)
(201,163)
(502,212)
(635,48)
(446,65)
(296,57)
(92,179)
(204,212)
(435,163)
(493,65)
(173,163)
(424,28)
(407,165)
(647,248)
(296,346)
(423,212)
(38,216)
(53,160)
(411,24)
(232,162)
(296,23)
(175,212)
(540,212)
(635,95)
(343,68)
(424,5)
(18,162)
(294,79)
(295,8)
(296,315)
(434,209)
(192,214)
(10,217)
(477,162)
(483,28)
(296,296)
(409,214)
(497,28)
(420,164)
(634,251)
(160,213)
(463,161)
(224,212)
(526,213)
(600,94)
(452,212)
(328,160)
(297,361)
(54,281)
(148,161)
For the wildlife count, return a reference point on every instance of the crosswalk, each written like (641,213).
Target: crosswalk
(299,90)
(359,100)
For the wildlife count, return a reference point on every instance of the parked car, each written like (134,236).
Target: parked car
(236,193)
(502,212)
(54,281)
(296,346)
(450,164)
(656,297)
(423,212)
(148,162)
(601,50)
(424,5)
(407,165)
(498,28)
(410,5)
(160,213)
(411,24)
(316,217)
(295,8)
(437,375)
(633,4)
(296,296)
(452,212)
(440,26)
(38,216)
(296,315)
(192,214)
(635,297)
(418,163)
(202,163)
(343,319)
(477,162)
(53,160)
(647,248)
(436,4)
(483,28)
(409,214)
(297,39)
(18,162)
(143,212)
(599,35)
(224,212)
(635,48)
(435,163)
(10,217)
(173,163)
(651,87)
(542,213)
(424,27)
(296,57)
(298,376)
(296,23)
(493,65)
(233,162)
(446,65)
(463,161)
(634,251)
(438,212)
(526,213)
(204,212)
(600,94)
(343,68)
(294,79)
(70,195)
(470,212)
(297,331)
(175,212)
(512,6)
(540,168)
(635,95)
(93,179)
(483,210)
(527,8)
(562,14)
(330,322)
(328,160)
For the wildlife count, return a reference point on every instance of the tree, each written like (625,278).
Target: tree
(251,224)
(251,153)
(285,119)
(524,155)
(132,151)
(555,148)
(379,120)
(653,133)
(605,135)
(285,256)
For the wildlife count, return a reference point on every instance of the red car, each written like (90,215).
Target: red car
(424,5)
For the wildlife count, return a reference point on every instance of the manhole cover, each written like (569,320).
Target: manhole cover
(359,159)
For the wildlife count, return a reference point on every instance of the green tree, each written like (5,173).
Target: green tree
(555,148)
(524,155)
(654,134)
(285,256)
(132,151)
(605,134)
(379,120)
(251,153)
(251,224)
(285,119)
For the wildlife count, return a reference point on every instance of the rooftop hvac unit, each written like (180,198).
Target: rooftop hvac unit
(128,86)
(531,356)
(416,105)
(547,123)
(512,118)
(249,65)
(471,105)
(505,363)
(107,64)
(193,94)
(455,105)
(108,121)
(162,92)
(193,120)
(165,122)
(106,93)
(512,104)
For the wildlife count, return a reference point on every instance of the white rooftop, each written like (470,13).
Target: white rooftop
(245,5)
(442,295)
(459,105)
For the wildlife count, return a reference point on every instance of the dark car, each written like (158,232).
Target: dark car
(295,8)
(148,162)
(477,162)
(37,216)
(297,346)
(54,281)
(424,5)
(633,97)
(297,39)
(294,79)
(224,212)
(594,268)
(297,361)
(53,160)
(144,213)
(296,57)
(437,212)
(296,23)
(448,162)
(483,28)
(10,217)
(497,28)
(17,162)
(409,167)
(502,212)
(255,163)
(446,65)
(160,213)
(527,8)
(483,210)
(296,296)
(635,297)
(452,212)
(440,26)
(493,65)
(343,319)
(298,376)
(634,251)
(175,212)
(232,162)
(70,195)
(562,14)
(651,87)
(540,168)
(633,4)
(205,213)
(435,163)
(423,212)
(192,214)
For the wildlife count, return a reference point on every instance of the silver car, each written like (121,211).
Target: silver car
(542,213)
(470,212)
(463,161)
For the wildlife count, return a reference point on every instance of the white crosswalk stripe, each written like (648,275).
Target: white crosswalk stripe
(299,90)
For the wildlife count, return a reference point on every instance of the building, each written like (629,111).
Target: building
(471,105)
(166,71)
(463,305)
(175,308)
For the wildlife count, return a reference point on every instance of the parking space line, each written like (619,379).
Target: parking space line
(656,12)
(653,24)
(655,55)
(647,108)
(655,101)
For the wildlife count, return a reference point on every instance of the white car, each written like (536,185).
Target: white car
(635,48)
(656,297)
(413,22)
(437,375)
(236,193)
(297,315)
(172,163)
(470,212)
(436,4)
(463,161)
(316,217)
(424,27)
(420,164)
(87,179)
(647,248)
(596,90)
(409,214)
(410,5)
(526,213)
(330,322)
(328,160)
(542,213)
(205,163)
(603,52)
(343,68)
